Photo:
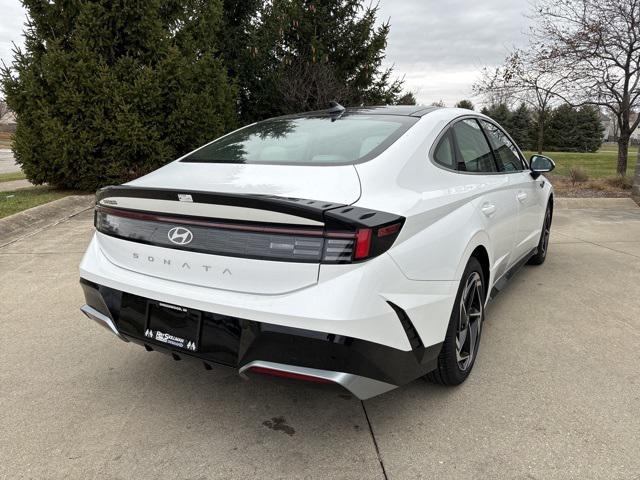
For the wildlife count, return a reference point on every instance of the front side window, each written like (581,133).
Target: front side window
(319,140)
(475,153)
(507,154)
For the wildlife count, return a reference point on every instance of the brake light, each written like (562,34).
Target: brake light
(363,243)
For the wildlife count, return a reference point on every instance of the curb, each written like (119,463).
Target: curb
(12,185)
(595,203)
(24,224)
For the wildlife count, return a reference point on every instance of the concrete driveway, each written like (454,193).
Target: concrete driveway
(555,392)
(7,162)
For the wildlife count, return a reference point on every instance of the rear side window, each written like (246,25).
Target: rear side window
(317,140)
(475,153)
(507,154)
(445,153)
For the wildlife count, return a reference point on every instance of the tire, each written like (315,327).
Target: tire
(543,244)
(455,364)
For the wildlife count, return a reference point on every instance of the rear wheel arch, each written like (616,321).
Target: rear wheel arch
(480,253)
(478,247)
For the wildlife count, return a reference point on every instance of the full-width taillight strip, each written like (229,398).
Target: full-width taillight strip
(257,241)
(153,217)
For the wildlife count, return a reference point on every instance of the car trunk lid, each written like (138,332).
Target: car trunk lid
(246,228)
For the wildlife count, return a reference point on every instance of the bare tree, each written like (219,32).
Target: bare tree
(597,44)
(492,87)
(310,86)
(525,76)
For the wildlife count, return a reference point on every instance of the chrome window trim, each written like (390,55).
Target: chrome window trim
(450,124)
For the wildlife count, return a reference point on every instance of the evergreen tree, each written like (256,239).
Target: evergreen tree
(106,91)
(561,129)
(303,54)
(500,113)
(575,130)
(590,129)
(407,99)
(520,127)
(465,104)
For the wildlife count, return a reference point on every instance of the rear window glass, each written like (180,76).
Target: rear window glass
(307,140)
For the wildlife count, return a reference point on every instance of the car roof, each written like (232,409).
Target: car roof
(396,110)
(402,110)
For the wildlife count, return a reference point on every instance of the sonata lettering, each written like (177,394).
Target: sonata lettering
(184,265)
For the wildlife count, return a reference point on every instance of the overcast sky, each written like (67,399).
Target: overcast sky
(438,46)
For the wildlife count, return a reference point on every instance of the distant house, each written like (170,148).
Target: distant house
(8,122)
(608,128)
(635,135)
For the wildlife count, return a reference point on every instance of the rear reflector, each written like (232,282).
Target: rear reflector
(390,230)
(281,373)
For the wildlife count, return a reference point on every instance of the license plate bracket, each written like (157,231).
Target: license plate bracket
(173,325)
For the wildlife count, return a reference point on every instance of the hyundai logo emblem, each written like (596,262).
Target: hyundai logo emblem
(180,235)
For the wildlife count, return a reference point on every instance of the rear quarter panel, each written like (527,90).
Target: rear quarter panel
(443,225)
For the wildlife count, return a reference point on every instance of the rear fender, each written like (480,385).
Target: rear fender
(479,239)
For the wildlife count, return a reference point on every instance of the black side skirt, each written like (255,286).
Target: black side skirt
(509,274)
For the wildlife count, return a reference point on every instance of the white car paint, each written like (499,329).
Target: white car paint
(337,184)
(448,215)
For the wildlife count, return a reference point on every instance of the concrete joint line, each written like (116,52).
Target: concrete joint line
(375,443)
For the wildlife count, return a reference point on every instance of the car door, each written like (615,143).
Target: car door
(497,203)
(528,192)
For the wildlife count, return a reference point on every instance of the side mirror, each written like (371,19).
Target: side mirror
(540,164)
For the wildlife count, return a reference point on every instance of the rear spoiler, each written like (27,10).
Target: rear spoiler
(335,216)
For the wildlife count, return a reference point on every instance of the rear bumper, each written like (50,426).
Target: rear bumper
(363,367)
(348,300)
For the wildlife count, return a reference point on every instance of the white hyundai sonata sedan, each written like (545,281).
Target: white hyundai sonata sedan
(349,246)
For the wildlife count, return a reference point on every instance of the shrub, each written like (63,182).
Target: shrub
(106,91)
(578,175)
(620,181)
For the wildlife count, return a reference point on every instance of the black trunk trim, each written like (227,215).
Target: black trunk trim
(335,215)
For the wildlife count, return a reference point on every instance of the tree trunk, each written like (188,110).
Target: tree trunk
(541,134)
(636,179)
(623,153)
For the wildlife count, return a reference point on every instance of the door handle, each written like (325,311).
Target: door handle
(488,209)
(521,196)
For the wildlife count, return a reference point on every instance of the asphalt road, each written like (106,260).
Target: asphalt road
(555,392)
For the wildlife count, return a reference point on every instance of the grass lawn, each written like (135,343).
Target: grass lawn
(18,200)
(8,177)
(597,165)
